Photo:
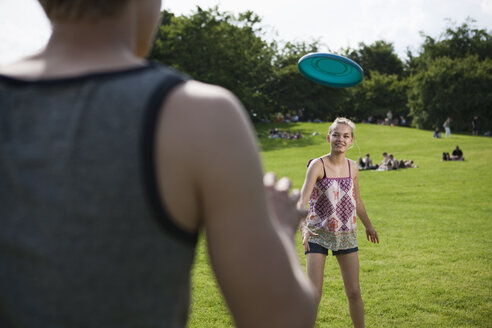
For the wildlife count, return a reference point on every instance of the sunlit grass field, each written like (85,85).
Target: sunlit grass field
(433,267)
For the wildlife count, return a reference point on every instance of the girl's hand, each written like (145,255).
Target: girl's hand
(372,235)
(306,233)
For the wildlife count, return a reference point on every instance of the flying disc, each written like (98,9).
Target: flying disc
(331,70)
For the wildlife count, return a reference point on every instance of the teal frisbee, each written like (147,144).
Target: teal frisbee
(330,70)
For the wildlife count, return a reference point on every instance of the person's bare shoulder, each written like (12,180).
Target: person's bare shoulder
(354,168)
(204,138)
(207,112)
(199,98)
(315,169)
(316,163)
(198,90)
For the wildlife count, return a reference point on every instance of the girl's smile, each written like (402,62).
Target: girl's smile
(340,137)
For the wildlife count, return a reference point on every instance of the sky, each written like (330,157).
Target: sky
(337,24)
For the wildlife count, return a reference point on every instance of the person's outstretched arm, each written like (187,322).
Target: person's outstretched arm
(215,179)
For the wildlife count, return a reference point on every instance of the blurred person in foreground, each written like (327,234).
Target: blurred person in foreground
(101,206)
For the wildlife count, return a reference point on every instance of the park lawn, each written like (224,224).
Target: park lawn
(433,267)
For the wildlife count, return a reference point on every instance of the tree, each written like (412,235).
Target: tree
(452,77)
(456,42)
(378,95)
(379,56)
(456,88)
(219,48)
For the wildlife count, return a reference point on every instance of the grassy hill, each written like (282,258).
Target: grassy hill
(433,267)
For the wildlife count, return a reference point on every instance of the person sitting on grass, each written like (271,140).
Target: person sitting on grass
(393,162)
(366,163)
(362,165)
(457,154)
(437,133)
(405,164)
(386,164)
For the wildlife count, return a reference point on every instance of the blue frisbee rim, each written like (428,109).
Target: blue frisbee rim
(350,74)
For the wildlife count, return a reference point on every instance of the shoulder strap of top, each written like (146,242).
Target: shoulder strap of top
(350,173)
(324,171)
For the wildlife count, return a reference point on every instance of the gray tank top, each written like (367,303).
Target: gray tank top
(84,239)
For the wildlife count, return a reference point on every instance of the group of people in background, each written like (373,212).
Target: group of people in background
(388,120)
(388,163)
(277,134)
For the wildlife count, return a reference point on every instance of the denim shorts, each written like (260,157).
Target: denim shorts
(315,248)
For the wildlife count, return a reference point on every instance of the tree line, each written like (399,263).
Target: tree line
(448,77)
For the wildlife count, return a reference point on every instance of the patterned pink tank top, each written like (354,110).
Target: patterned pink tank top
(332,212)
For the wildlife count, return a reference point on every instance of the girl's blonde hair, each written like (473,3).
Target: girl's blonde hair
(342,120)
(70,10)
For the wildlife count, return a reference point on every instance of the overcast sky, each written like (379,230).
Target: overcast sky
(336,23)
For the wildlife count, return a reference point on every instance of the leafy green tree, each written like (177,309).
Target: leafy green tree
(378,95)
(451,77)
(379,56)
(382,89)
(456,88)
(459,42)
(220,48)
(455,42)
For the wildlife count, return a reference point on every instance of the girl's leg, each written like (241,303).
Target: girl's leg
(349,266)
(315,265)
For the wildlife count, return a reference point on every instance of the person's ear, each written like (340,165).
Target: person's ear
(328,137)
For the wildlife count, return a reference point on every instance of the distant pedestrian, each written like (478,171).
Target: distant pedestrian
(475,126)
(447,127)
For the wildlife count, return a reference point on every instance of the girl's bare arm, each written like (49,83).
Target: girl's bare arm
(314,172)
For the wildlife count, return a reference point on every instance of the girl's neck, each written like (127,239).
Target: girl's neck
(336,159)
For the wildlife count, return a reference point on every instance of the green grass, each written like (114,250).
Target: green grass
(433,267)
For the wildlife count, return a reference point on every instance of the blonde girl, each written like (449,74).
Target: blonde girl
(332,189)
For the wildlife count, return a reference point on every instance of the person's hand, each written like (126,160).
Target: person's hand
(306,233)
(372,235)
(283,205)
